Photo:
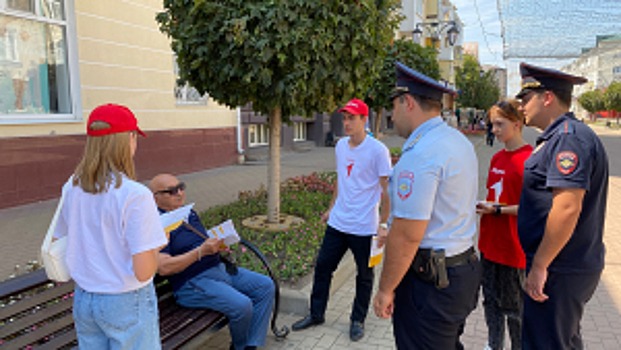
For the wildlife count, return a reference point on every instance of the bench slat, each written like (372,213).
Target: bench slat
(61,340)
(211,322)
(36,317)
(23,282)
(39,298)
(42,332)
(180,319)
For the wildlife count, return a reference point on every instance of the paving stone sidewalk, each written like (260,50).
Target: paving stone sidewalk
(22,229)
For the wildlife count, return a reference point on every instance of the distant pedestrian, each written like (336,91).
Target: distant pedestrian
(489,139)
(363,167)
(431,274)
(458,116)
(561,213)
(501,253)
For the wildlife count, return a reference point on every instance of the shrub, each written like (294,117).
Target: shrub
(395,151)
(290,253)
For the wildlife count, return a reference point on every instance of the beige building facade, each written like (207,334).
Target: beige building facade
(601,65)
(434,18)
(61,58)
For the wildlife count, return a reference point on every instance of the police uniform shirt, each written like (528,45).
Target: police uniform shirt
(568,155)
(436,180)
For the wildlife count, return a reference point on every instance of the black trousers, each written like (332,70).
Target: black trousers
(334,245)
(502,303)
(555,323)
(429,318)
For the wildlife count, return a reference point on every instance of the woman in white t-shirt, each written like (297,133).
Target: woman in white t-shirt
(113,238)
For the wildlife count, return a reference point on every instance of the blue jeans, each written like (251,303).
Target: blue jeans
(334,245)
(246,299)
(117,321)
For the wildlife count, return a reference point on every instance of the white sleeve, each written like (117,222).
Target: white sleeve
(141,221)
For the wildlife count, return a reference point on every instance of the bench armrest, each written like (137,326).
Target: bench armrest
(284,330)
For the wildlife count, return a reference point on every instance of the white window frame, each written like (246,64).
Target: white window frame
(258,135)
(72,61)
(187,94)
(299,131)
(9,53)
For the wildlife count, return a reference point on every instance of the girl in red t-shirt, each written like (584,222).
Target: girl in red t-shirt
(502,256)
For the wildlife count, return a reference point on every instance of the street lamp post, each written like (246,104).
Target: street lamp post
(435,29)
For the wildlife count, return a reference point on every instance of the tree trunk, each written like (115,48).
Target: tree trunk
(378,121)
(273,170)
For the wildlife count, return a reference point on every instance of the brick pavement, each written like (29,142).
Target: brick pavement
(22,229)
(600,322)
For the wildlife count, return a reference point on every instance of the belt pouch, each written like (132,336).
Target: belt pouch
(423,266)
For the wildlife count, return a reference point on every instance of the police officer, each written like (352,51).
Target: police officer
(561,213)
(431,275)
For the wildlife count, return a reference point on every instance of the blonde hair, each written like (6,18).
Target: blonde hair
(508,109)
(105,160)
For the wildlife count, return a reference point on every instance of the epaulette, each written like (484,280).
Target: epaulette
(567,128)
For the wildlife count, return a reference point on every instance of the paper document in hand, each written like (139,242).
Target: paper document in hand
(226,232)
(174,218)
(376,253)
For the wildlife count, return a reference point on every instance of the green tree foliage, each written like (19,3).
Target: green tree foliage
(592,101)
(477,89)
(301,56)
(612,97)
(423,59)
(286,57)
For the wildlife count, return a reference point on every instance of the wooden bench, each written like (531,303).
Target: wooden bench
(36,312)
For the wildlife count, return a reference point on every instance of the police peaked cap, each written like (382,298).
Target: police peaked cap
(538,78)
(416,83)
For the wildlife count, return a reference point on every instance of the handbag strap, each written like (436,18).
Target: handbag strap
(50,231)
(193,229)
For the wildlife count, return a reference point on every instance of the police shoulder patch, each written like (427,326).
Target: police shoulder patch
(405,180)
(566,162)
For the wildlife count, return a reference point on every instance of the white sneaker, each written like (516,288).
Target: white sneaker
(487,347)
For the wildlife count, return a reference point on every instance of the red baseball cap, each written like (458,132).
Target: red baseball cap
(356,107)
(120,118)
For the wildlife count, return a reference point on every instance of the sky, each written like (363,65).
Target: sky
(481,21)
(482,24)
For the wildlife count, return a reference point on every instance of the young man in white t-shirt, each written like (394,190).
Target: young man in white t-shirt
(359,209)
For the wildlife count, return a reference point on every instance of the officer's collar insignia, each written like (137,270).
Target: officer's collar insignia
(405,181)
(566,162)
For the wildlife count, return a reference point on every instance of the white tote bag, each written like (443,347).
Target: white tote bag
(53,253)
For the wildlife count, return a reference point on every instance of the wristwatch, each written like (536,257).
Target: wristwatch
(497,210)
(383,225)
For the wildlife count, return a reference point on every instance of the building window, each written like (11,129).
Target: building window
(258,135)
(185,94)
(38,62)
(299,131)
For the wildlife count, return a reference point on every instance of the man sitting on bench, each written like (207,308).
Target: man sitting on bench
(200,279)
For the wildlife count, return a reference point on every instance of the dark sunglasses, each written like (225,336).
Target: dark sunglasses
(173,190)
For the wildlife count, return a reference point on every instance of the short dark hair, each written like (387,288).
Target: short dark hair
(564,96)
(427,104)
